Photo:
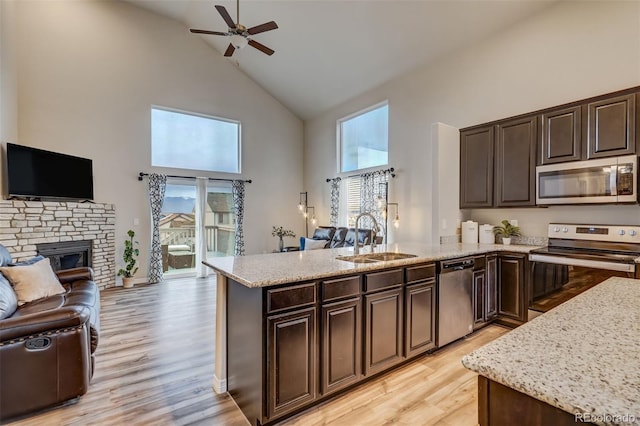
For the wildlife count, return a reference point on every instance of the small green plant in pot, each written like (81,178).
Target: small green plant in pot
(129,257)
(506,231)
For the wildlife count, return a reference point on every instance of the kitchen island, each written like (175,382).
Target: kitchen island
(294,329)
(579,361)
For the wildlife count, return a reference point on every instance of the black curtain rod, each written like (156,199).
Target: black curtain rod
(142,175)
(389,170)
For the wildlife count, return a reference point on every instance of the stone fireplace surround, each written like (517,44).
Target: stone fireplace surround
(24,224)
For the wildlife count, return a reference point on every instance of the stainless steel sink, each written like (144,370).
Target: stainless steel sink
(388,256)
(375,257)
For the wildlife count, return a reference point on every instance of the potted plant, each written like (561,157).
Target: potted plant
(279,231)
(506,231)
(129,257)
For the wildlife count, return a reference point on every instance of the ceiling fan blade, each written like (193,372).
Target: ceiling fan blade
(268,26)
(207,32)
(261,47)
(229,50)
(225,15)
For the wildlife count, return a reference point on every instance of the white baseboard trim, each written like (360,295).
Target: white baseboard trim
(219,385)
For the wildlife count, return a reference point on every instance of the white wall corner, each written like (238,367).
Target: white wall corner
(446,180)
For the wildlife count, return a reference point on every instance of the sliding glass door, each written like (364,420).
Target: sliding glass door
(178,227)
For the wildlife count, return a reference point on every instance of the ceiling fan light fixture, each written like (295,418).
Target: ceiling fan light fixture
(239,41)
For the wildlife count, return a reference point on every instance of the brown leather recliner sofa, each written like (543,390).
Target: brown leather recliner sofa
(47,346)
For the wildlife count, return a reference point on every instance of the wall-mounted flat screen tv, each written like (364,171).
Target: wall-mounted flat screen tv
(36,173)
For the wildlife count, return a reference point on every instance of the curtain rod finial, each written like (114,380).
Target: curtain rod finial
(140,176)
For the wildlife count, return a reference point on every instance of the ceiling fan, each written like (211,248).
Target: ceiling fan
(239,34)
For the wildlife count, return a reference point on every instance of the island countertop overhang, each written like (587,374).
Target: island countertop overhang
(263,270)
(581,357)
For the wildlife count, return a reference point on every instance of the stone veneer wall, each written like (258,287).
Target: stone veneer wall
(23,224)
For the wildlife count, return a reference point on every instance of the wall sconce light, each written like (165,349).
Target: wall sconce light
(396,219)
(383,187)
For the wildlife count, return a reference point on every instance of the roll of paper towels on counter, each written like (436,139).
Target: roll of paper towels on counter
(470,232)
(486,234)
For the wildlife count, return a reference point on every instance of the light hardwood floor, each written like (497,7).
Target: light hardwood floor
(154,365)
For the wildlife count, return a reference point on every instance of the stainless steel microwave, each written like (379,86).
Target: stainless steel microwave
(606,180)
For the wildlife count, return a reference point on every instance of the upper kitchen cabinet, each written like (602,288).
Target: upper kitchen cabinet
(516,162)
(612,124)
(476,167)
(561,138)
(507,181)
(605,126)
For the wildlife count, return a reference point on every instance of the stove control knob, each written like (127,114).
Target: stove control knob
(565,229)
(621,232)
(556,229)
(632,233)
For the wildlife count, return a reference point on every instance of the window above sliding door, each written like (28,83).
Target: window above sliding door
(186,140)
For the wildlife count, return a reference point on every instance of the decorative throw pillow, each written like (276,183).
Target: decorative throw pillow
(8,299)
(310,244)
(32,282)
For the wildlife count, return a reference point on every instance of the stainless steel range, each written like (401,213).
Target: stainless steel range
(579,257)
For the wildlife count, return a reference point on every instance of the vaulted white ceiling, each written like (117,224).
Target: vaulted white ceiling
(328,51)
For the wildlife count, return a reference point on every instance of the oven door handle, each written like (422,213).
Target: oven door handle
(571,261)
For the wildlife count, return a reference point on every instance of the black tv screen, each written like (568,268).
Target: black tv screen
(36,173)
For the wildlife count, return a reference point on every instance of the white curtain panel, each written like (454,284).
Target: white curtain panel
(201,239)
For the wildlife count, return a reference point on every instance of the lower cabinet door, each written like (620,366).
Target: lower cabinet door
(383,330)
(491,296)
(291,365)
(479,287)
(341,356)
(420,316)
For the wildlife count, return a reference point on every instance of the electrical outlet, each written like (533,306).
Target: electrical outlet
(514,222)
(136,221)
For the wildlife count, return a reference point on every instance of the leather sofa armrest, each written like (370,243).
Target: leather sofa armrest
(75,274)
(43,322)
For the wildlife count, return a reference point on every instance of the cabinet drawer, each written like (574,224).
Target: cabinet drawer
(340,288)
(479,263)
(289,297)
(421,273)
(380,280)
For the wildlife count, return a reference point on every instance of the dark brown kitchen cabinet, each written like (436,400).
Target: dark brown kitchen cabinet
(484,290)
(341,356)
(491,295)
(383,330)
(476,167)
(511,283)
(479,289)
(611,126)
(561,138)
(420,318)
(516,162)
(291,361)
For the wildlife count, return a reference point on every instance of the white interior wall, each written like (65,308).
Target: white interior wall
(446,172)
(8,76)
(91,71)
(567,52)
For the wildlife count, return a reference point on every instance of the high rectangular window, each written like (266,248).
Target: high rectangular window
(192,141)
(364,139)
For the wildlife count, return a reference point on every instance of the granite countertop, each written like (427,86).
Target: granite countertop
(582,357)
(263,270)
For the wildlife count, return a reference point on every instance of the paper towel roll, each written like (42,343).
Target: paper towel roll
(486,234)
(470,232)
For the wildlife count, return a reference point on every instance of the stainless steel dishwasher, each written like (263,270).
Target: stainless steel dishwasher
(455,307)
